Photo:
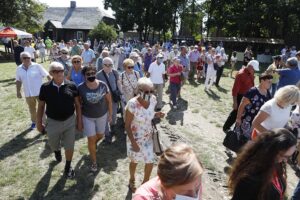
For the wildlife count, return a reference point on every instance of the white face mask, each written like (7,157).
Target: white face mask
(183,197)
(145,96)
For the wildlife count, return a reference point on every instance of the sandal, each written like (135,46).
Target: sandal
(131,185)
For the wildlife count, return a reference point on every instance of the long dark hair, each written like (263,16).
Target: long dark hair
(259,157)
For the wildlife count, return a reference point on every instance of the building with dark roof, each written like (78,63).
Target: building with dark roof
(66,23)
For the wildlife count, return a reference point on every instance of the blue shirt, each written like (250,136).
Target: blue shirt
(76,77)
(184,61)
(288,77)
(138,68)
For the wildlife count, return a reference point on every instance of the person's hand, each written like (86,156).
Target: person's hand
(159,114)
(234,106)
(109,119)
(135,147)
(238,122)
(79,126)
(40,127)
(19,95)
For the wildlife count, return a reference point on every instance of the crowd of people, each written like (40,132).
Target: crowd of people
(88,86)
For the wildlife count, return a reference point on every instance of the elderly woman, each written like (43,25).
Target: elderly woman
(250,105)
(179,176)
(74,73)
(129,79)
(138,117)
(275,113)
(112,79)
(259,172)
(96,109)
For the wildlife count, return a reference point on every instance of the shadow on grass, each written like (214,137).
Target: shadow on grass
(18,144)
(85,186)
(221,89)
(177,115)
(8,80)
(213,95)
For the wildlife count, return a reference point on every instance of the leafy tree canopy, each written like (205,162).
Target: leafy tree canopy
(104,32)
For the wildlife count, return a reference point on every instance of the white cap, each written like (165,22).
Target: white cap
(254,64)
(160,55)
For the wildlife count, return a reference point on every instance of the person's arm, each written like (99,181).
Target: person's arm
(128,120)
(18,85)
(260,117)
(78,114)
(235,90)
(39,116)
(245,101)
(109,102)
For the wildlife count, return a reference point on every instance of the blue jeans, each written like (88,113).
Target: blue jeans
(296,194)
(174,87)
(274,87)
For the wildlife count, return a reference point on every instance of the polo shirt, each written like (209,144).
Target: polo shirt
(244,80)
(175,69)
(156,72)
(59,100)
(31,78)
(87,56)
(288,77)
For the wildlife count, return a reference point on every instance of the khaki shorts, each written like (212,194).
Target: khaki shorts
(61,132)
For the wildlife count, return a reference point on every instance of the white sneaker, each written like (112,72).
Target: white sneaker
(175,107)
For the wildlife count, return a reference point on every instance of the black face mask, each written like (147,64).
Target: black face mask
(91,78)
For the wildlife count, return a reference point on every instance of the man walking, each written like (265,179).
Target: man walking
(31,76)
(17,52)
(60,97)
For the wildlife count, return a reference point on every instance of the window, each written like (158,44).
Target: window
(79,35)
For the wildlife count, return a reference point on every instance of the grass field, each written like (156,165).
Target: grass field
(27,167)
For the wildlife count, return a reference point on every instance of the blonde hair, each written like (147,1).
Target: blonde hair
(288,95)
(127,62)
(178,165)
(76,57)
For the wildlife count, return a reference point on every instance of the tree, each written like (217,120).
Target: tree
(24,14)
(104,32)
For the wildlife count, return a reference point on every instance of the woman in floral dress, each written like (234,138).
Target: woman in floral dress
(138,117)
(250,105)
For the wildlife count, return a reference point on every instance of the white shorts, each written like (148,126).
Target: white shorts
(91,126)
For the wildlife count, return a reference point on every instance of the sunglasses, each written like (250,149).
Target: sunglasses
(76,61)
(108,65)
(148,92)
(90,73)
(64,52)
(56,71)
(130,67)
(25,58)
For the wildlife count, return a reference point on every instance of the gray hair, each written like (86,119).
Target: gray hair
(144,81)
(55,65)
(107,60)
(292,62)
(25,54)
(289,95)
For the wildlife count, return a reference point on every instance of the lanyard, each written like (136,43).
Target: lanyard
(277,184)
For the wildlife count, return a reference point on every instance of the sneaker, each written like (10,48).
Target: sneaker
(58,156)
(69,174)
(32,126)
(93,167)
(175,107)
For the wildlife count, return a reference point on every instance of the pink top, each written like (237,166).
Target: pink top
(149,191)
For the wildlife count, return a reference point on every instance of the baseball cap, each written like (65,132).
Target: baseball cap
(254,64)
(159,55)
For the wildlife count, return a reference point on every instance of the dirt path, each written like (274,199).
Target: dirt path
(206,139)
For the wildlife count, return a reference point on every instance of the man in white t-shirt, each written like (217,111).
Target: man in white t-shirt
(88,55)
(28,48)
(31,75)
(156,72)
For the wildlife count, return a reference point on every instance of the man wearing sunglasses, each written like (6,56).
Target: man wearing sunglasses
(64,59)
(60,98)
(31,76)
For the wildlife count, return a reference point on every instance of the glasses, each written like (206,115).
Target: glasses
(108,65)
(90,73)
(64,52)
(25,58)
(56,71)
(130,67)
(148,92)
(76,61)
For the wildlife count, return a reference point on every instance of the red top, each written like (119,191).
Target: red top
(244,80)
(175,69)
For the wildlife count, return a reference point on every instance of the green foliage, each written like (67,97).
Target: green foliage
(24,14)
(168,35)
(104,32)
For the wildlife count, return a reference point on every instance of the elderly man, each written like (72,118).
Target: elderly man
(31,76)
(64,59)
(28,48)
(60,98)
(156,72)
(75,50)
(88,55)
(17,52)
(290,75)
(244,80)
(184,61)
(111,77)
(194,57)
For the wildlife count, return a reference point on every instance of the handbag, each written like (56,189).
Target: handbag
(157,145)
(234,142)
(115,95)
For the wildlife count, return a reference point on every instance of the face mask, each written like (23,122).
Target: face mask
(91,78)
(145,96)
(159,60)
(182,197)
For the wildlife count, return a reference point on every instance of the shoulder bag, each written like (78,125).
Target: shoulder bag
(115,95)
(157,145)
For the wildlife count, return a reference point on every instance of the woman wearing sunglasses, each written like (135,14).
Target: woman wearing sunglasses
(96,109)
(138,116)
(129,79)
(75,74)
(259,172)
